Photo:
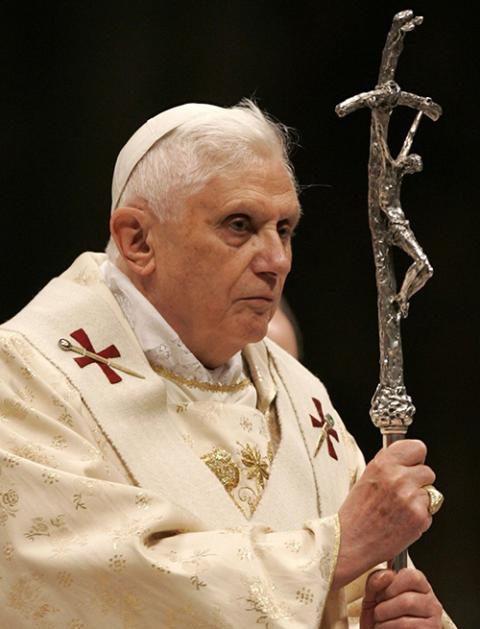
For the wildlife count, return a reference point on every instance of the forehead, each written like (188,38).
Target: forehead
(266,184)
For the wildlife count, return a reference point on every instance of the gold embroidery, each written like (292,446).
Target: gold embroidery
(65,416)
(181,408)
(8,501)
(40,527)
(198,559)
(246,424)
(270,452)
(221,464)
(27,597)
(188,439)
(305,596)
(132,528)
(50,478)
(142,500)
(10,461)
(262,602)
(244,553)
(22,348)
(197,582)
(117,563)
(59,442)
(113,598)
(258,466)
(27,373)
(248,495)
(325,565)
(203,386)
(6,350)
(35,453)
(8,550)
(78,502)
(293,546)
(12,410)
(27,394)
(75,623)
(64,579)
(160,569)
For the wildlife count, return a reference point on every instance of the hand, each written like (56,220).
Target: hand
(400,601)
(386,511)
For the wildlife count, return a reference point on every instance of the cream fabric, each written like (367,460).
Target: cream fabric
(109,519)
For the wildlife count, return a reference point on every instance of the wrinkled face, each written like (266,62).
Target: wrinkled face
(221,267)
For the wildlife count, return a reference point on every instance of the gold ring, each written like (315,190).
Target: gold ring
(436,499)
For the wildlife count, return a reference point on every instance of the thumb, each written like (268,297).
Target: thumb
(376,582)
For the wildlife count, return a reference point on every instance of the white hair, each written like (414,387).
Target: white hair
(182,161)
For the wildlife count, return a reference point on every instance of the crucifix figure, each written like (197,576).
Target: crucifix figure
(392,409)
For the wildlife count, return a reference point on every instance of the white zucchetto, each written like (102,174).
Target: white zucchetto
(149,133)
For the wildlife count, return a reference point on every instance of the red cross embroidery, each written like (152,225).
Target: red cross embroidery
(326,422)
(109,352)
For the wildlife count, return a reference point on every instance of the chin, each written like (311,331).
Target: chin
(256,333)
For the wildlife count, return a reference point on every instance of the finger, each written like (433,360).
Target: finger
(407,623)
(376,583)
(407,580)
(408,451)
(406,604)
(422,475)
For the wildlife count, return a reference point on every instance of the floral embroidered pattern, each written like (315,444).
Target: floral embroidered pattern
(64,579)
(78,502)
(8,503)
(197,582)
(35,453)
(117,563)
(41,527)
(142,500)
(257,466)
(304,595)
(64,416)
(50,478)
(8,550)
(12,410)
(262,601)
(26,596)
(221,464)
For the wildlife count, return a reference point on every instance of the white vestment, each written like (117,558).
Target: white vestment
(110,518)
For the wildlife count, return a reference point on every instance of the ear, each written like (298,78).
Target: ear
(130,228)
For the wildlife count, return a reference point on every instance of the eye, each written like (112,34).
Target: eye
(285,231)
(240,224)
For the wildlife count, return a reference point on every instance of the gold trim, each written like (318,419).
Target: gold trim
(203,386)
(336,548)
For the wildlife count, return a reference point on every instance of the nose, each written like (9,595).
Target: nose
(273,256)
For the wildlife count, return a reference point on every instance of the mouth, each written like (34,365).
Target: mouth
(259,299)
(259,303)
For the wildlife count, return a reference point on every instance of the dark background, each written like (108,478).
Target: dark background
(77,78)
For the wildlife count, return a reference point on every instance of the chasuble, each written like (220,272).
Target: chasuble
(152,499)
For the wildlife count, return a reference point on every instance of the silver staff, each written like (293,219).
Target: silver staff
(391,408)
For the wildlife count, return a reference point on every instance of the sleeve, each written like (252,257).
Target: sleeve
(83,546)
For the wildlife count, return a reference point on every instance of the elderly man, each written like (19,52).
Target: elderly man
(162,465)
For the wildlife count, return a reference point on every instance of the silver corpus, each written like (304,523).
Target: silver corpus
(391,408)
